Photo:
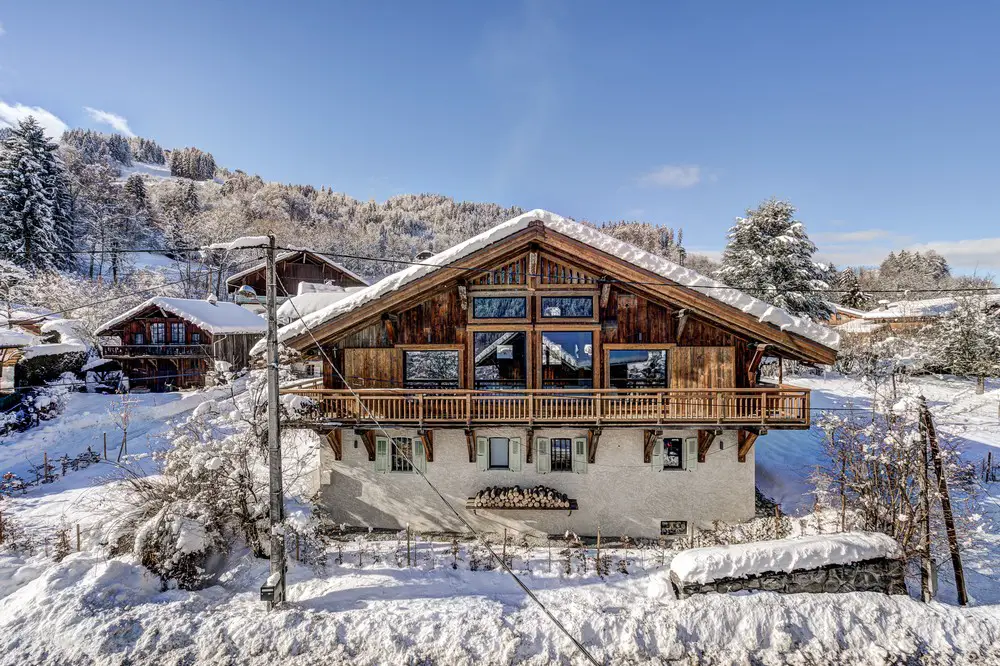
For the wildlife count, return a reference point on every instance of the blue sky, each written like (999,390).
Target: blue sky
(878,120)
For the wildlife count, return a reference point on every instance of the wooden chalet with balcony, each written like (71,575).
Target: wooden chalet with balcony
(545,352)
(293,268)
(171,343)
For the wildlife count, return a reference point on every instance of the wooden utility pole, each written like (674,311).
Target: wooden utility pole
(949,517)
(926,573)
(277,504)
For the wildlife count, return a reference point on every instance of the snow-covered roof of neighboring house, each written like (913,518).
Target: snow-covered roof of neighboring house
(687,277)
(284,256)
(15,338)
(307,303)
(928,307)
(704,565)
(218,318)
(71,339)
(850,312)
(858,326)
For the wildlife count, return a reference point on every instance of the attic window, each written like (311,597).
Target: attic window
(499,307)
(567,307)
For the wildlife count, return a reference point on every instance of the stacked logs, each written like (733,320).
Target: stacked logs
(538,497)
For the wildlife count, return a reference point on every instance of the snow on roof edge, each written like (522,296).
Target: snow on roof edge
(764,312)
(191,314)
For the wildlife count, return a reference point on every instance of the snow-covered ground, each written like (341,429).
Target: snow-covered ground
(92,609)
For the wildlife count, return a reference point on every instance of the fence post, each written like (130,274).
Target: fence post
(45,466)
(105,446)
(597,560)
(78,537)
(1,527)
(297,547)
(407,545)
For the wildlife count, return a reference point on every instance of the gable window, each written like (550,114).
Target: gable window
(501,360)
(499,453)
(499,307)
(430,369)
(673,453)
(562,455)
(196,338)
(157,333)
(567,359)
(402,454)
(177,333)
(138,339)
(637,368)
(567,307)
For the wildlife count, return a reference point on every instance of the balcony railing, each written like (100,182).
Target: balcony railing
(785,407)
(139,351)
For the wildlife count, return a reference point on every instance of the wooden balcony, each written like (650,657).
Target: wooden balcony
(154,351)
(784,407)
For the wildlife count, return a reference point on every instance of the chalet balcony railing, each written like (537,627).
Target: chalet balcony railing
(137,351)
(786,407)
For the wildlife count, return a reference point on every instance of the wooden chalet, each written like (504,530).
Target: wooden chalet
(168,343)
(294,268)
(544,346)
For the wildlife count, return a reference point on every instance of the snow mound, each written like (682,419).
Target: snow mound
(216,318)
(704,565)
(678,274)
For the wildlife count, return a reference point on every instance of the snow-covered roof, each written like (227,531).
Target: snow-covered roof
(704,565)
(850,312)
(858,326)
(928,307)
(71,339)
(307,303)
(288,255)
(764,312)
(217,318)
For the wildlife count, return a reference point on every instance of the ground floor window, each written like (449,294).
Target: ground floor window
(562,455)
(499,453)
(673,453)
(402,454)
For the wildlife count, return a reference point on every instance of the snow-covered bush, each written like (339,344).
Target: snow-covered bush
(36,405)
(178,542)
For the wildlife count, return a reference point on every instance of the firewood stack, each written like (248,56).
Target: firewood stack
(538,497)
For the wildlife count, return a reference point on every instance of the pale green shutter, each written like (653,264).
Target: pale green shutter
(543,460)
(482,453)
(691,453)
(381,454)
(657,459)
(580,455)
(515,454)
(419,456)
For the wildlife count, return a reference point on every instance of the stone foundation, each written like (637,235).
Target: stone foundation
(879,575)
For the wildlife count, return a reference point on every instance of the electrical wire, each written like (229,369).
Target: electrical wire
(406,456)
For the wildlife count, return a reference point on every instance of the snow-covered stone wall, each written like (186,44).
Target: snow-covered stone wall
(619,492)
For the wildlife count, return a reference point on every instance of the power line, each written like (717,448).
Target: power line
(406,456)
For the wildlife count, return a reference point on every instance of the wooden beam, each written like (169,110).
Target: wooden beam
(648,439)
(682,320)
(605,294)
(746,440)
(368,437)
(463,297)
(705,439)
(470,443)
(427,439)
(529,442)
(754,365)
(335,438)
(593,437)
(390,327)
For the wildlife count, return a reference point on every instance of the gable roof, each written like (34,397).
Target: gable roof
(673,273)
(217,318)
(927,307)
(285,256)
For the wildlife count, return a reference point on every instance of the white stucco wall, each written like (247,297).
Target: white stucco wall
(619,492)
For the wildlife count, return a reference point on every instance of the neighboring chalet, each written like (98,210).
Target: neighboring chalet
(293,268)
(172,342)
(901,317)
(548,353)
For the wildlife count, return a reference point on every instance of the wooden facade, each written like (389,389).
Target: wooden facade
(292,269)
(563,318)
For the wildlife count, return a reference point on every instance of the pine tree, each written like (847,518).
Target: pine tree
(770,256)
(35,229)
(851,294)
(967,340)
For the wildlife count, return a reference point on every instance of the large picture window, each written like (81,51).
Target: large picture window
(567,307)
(501,360)
(499,307)
(567,359)
(177,333)
(637,368)
(157,333)
(431,369)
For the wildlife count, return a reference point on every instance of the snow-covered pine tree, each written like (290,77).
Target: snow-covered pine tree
(851,295)
(770,256)
(35,229)
(967,340)
(118,147)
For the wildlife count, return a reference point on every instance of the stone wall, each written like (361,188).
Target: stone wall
(878,575)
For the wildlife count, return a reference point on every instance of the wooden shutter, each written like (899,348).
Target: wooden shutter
(656,460)
(690,453)
(419,456)
(514,458)
(381,454)
(373,367)
(482,453)
(543,459)
(580,455)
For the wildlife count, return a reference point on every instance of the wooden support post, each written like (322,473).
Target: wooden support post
(368,437)
(705,439)
(336,440)
(593,438)
(746,440)
(605,294)
(389,322)
(682,320)
(470,443)
(427,439)
(754,365)
(648,439)
(949,518)
(78,537)
(926,572)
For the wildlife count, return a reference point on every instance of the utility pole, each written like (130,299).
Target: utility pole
(274,590)
(949,517)
(926,573)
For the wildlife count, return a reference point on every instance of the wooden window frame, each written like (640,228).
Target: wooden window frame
(470,352)
(609,347)
(494,293)
(432,347)
(556,293)
(567,327)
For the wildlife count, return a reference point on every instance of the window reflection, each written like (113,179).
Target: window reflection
(501,360)
(499,307)
(637,368)
(430,369)
(555,307)
(567,359)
